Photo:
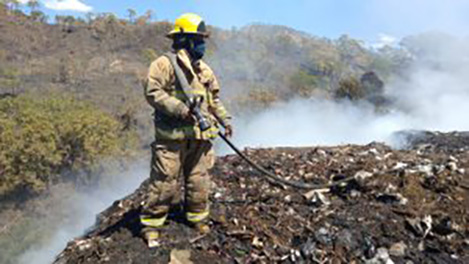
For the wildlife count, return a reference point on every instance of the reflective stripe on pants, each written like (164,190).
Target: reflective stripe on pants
(197,217)
(152,221)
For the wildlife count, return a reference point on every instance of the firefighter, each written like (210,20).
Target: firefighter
(182,153)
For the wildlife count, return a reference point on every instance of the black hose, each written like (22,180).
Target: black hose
(273,178)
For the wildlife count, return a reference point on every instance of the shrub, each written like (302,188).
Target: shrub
(149,55)
(303,84)
(350,88)
(41,138)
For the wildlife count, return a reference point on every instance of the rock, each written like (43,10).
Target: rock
(345,238)
(400,166)
(180,257)
(392,198)
(452,166)
(369,248)
(323,236)
(307,249)
(398,249)
(256,242)
(444,227)
(363,175)
(317,198)
(83,244)
(452,158)
(425,169)
(381,257)
(419,226)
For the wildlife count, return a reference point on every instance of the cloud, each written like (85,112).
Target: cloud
(67,5)
(385,40)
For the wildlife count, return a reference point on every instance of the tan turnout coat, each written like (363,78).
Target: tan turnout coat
(164,93)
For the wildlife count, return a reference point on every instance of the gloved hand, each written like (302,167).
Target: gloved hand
(195,102)
(228,131)
(188,116)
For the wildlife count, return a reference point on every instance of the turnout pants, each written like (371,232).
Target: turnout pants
(171,161)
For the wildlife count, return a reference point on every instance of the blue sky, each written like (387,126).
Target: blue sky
(368,20)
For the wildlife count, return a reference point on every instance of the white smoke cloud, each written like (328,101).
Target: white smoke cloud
(67,5)
(81,209)
(313,122)
(433,96)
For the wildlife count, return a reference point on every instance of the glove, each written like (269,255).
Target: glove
(228,131)
(195,102)
(188,116)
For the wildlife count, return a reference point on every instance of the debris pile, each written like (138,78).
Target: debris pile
(403,206)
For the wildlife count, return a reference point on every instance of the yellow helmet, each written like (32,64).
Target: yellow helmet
(189,24)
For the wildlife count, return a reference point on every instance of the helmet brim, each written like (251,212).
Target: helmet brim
(174,33)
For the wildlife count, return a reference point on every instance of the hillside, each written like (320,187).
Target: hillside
(72,113)
(102,62)
(403,206)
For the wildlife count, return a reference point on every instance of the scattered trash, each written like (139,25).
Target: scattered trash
(392,198)
(180,257)
(398,249)
(317,198)
(421,227)
(406,206)
(381,257)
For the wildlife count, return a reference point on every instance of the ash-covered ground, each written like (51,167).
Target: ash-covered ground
(403,206)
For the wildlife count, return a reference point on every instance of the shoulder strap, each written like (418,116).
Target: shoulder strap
(180,76)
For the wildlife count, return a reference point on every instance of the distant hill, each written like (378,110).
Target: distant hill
(102,60)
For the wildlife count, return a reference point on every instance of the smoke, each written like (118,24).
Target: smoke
(303,122)
(78,212)
(431,95)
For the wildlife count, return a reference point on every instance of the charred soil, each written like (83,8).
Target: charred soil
(403,206)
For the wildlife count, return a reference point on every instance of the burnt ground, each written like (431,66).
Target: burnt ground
(403,206)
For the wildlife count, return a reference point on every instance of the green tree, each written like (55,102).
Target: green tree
(350,88)
(90,17)
(303,84)
(39,16)
(59,20)
(12,5)
(33,5)
(131,13)
(15,4)
(69,20)
(65,20)
(149,15)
